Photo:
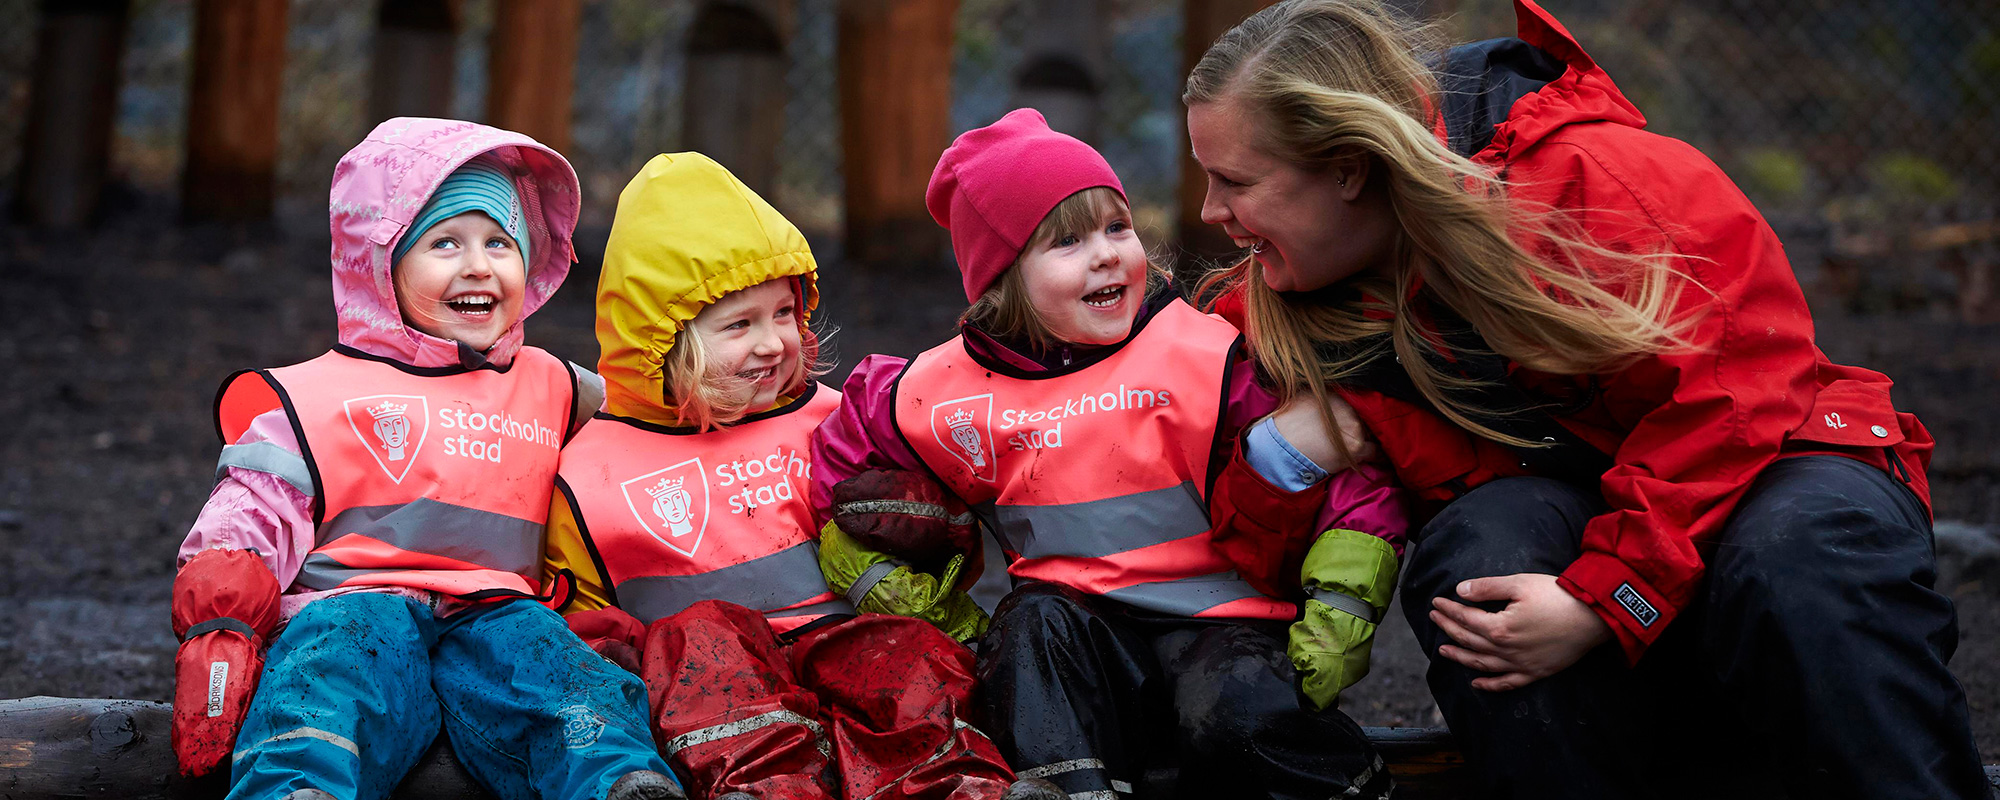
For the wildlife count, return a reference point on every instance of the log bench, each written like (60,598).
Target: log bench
(59,747)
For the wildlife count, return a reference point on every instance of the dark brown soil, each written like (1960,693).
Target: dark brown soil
(113,343)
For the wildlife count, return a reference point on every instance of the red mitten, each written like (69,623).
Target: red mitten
(904,514)
(611,632)
(225,607)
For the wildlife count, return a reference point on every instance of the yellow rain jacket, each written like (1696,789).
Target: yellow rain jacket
(686,233)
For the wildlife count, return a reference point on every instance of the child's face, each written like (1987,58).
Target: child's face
(462,280)
(1087,285)
(753,334)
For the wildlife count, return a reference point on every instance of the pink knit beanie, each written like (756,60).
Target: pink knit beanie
(995,184)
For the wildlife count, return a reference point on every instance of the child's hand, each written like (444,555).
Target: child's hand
(1302,424)
(904,514)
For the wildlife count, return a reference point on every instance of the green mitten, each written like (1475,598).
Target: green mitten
(1349,577)
(877,583)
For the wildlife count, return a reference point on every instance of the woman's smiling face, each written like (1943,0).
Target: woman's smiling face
(1307,228)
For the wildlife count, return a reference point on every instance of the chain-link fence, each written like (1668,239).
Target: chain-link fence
(1862,128)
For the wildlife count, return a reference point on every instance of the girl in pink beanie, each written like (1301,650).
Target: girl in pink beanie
(1081,416)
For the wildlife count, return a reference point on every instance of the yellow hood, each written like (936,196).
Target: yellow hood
(686,233)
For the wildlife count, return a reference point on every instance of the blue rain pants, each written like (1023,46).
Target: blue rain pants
(356,686)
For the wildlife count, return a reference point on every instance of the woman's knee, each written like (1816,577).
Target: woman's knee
(1815,533)
(1508,526)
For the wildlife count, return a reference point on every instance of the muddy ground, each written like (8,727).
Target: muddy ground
(112,345)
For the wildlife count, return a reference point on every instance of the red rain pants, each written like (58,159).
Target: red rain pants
(875,705)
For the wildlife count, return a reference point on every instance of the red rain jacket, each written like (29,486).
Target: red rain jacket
(1687,432)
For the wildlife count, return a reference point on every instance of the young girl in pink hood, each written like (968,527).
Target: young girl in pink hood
(378,514)
(1083,414)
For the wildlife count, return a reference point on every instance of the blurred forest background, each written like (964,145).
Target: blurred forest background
(1868,132)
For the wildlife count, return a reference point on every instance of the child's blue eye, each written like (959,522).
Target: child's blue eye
(737,325)
(444,242)
(785,312)
(1118,226)
(1066,240)
(499,242)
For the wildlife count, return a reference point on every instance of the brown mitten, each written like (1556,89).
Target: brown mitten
(904,514)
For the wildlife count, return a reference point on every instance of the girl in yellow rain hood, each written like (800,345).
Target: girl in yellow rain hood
(682,511)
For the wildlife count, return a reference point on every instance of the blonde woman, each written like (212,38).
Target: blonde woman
(1665,527)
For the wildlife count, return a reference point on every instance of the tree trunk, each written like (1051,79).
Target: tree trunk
(232,133)
(416,48)
(72,103)
(531,72)
(895,119)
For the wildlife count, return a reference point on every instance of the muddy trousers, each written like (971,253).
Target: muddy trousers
(1088,692)
(1811,662)
(357,685)
(865,707)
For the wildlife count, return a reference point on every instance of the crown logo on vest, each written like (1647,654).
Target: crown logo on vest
(967,432)
(670,504)
(392,427)
(677,498)
(388,430)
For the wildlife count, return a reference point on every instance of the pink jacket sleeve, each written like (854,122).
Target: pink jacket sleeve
(253,510)
(860,435)
(1264,530)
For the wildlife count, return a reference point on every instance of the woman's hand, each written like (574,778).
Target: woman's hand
(1541,632)
(1302,424)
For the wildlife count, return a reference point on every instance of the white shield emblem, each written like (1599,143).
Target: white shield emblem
(671,504)
(964,428)
(391,428)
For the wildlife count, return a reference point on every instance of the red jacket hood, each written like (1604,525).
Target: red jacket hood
(1584,92)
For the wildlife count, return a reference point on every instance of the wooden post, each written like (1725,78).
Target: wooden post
(415,59)
(895,119)
(72,102)
(1207,20)
(735,91)
(531,69)
(232,134)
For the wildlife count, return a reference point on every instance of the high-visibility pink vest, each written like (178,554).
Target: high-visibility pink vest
(431,478)
(673,517)
(1097,477)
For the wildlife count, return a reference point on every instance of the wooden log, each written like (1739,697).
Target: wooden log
(1206,20)
(416,49)
(895,119)
(531,72)
(232,135)
(58,748)
(72,102)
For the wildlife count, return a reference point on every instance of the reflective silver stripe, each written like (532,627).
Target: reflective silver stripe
(1186,596)
(334,739)
(1341,602)
(1104,527)
(1354,786)
(267,458)
(494,541)
(1121,787)
(1097,795)
(1060,767)
(943,748)
(743,726)
(322,572)
(834,606)
(873,575)
(910,507)
(786,578)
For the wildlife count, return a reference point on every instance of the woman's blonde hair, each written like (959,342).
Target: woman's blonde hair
(1004,311)
(1326,82)
(702,397)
